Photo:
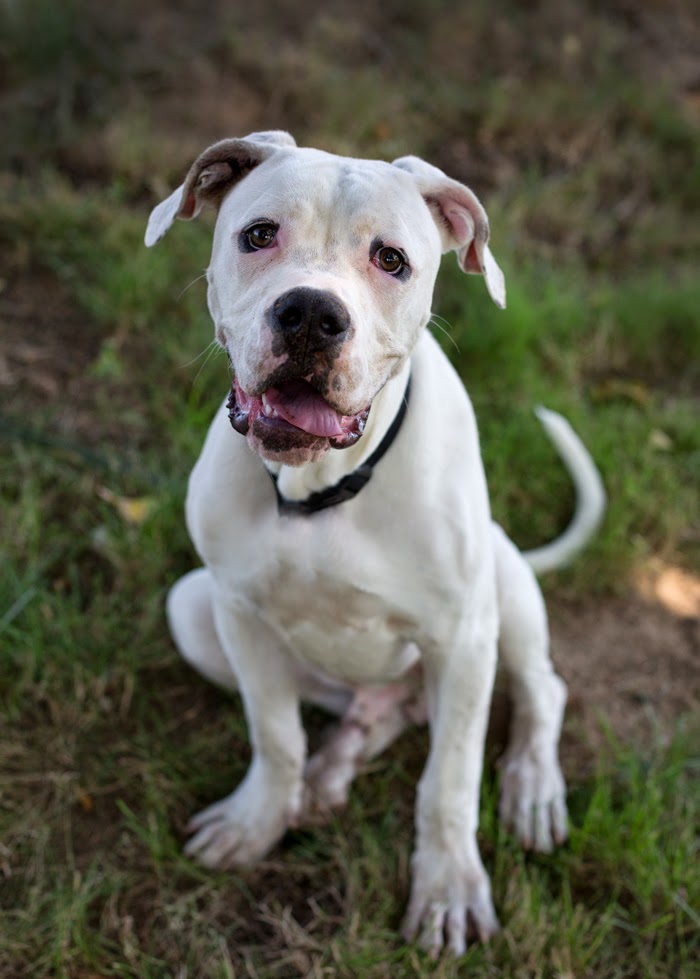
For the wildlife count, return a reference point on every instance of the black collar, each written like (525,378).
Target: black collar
(349,485)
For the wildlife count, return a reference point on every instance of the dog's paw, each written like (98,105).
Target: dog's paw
(329,774)
(319,800)
(450,900)
(533,800)
(242,827)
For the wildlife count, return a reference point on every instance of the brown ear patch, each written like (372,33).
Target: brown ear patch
(212,183)
(211,176)
(213,172)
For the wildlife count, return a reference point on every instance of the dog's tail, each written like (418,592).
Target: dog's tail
(590,496)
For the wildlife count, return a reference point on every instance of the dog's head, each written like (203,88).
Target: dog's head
(321,279)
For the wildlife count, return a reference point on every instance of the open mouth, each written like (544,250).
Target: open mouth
(294,407)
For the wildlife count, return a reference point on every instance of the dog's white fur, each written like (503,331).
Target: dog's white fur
(388,607)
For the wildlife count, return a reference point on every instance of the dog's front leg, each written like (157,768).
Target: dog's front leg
(450,884)
(242,827)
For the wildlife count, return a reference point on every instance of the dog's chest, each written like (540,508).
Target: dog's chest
(335,613)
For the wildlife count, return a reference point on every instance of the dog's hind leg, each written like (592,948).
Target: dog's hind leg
(374,719)
(191,620)
(533,793)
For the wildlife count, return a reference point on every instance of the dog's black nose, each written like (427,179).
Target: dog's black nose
(317,316)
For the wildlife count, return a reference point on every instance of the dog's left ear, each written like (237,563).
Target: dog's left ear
(211,176)
(461,221)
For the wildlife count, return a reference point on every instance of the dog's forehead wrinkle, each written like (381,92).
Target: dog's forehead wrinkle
(313,259)
(352,200)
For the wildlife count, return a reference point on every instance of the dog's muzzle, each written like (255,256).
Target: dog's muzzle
(291,410)
(309,328)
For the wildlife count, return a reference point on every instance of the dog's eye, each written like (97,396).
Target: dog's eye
(260,236)
(390,260)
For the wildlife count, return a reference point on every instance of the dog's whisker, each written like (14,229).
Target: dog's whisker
(436,316)
(213,350)
(208,352)
(199,277)
(434,322)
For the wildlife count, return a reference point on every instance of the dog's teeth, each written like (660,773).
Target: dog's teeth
(264,400)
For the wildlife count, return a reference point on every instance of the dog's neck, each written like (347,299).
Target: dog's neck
(299,482)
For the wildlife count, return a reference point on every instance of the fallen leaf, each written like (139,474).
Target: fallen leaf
(618,389)
(660,440)
(85,801)
(134,510)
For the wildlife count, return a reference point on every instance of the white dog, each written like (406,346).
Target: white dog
(350,558)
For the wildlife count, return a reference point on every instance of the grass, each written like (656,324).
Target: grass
(108,742)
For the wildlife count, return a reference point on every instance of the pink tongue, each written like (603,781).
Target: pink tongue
(302,406)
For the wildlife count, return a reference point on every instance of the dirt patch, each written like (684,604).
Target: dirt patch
(46,346)
(632,666)
(51,389)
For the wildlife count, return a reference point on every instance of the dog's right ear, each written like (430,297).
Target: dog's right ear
(211,176)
